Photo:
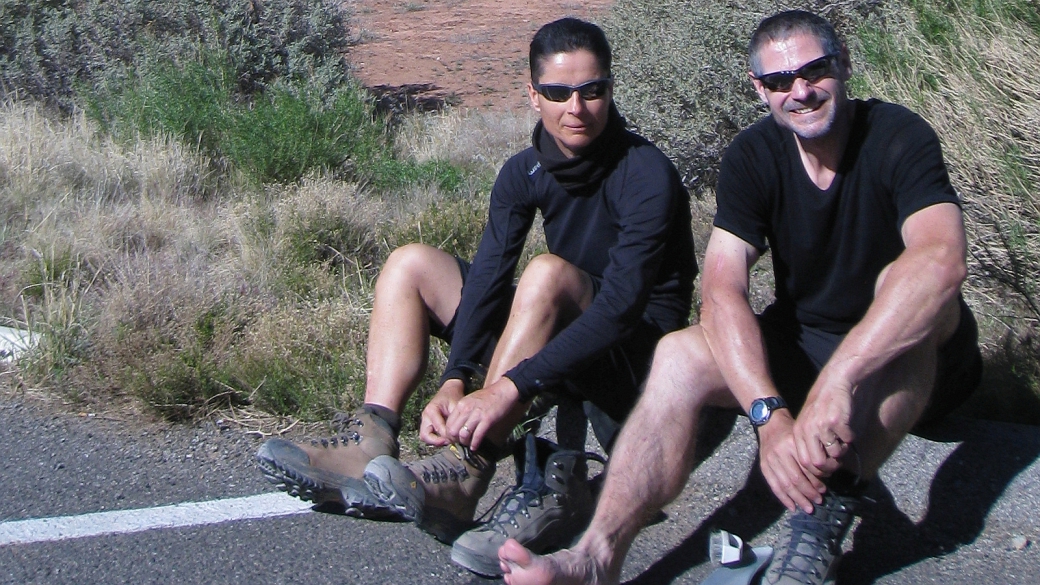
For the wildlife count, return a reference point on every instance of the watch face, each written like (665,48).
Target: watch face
(759,412)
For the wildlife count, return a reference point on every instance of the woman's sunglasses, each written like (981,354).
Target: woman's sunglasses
(812,72)
(560,92)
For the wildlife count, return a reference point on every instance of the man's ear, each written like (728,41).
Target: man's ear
(759,89)
(845,63)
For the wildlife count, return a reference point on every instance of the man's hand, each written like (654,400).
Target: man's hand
(479,412)
(822,432)
(434,429)
(792,484)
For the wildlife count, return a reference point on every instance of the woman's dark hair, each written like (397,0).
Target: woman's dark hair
(566,36)
(787,24)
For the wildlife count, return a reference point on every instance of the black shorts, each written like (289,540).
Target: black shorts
(797,354)
(613,382)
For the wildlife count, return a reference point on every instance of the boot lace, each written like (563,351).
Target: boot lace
(521,499)
(443,467)
(347,427)
(813,540)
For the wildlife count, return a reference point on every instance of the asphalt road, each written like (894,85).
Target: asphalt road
(957,508)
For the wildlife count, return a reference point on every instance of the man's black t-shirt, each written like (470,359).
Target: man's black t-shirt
(632,234)
(829,246)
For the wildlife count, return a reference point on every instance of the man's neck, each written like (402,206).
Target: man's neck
(821,156)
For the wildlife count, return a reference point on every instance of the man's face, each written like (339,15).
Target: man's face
(807,108)
(576,122)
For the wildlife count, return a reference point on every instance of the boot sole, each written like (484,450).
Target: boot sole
(350,493)
(396,488)
(475,561)
(443,525)
(402,494)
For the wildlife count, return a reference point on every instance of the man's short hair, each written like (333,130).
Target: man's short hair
(566,36)
(787,24)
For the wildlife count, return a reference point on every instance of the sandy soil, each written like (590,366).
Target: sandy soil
(467,53)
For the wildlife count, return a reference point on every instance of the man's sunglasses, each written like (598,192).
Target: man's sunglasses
(812,72)
(560,92)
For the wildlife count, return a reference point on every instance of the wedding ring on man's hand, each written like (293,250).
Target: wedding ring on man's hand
(465,428)
(831,444)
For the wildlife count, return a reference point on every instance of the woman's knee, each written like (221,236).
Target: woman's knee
(548,277)
(408,264)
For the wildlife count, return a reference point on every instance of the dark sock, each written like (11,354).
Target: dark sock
(845,483)
(491,451)
(392,418)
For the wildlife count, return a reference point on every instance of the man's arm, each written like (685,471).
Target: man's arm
(910,295)
(735,339)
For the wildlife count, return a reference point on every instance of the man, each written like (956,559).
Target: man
(582,319)
(867,338)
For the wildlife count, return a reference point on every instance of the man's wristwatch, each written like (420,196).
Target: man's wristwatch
(762,408)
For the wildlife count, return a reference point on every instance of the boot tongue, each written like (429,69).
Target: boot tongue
(530,465)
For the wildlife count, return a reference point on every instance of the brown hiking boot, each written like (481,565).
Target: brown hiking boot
(330,469)
(439,493)
(549,506)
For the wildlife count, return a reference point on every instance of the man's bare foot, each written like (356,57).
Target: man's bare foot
(565,567)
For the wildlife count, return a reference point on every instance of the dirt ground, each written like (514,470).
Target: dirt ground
(466,53)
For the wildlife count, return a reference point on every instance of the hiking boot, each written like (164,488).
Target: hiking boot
(548,507)
(439,493)
(810,545)
(330,470)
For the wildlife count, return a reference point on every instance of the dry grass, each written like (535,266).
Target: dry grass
(191,294)
(488,138)
(980,92)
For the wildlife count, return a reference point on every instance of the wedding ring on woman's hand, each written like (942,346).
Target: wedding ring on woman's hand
(465,428)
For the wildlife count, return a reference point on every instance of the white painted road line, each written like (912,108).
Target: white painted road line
(127,521)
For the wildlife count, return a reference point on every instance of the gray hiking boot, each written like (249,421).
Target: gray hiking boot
(810,545)
(547,508)
(330,470)
(439,493)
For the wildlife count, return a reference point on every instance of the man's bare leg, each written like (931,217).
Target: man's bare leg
(417,282)
(652,467)
(888,404)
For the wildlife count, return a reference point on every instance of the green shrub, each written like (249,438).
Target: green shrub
(285,135)
(305,359)
(277,136)
(50,48)
(61,329)
(388,174)
(452,224)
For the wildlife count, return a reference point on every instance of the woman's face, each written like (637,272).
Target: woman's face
(576,122)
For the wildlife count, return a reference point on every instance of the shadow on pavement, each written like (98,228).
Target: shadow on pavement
(962,493)
(964,490)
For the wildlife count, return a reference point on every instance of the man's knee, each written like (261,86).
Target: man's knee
(683,363)
(685,350)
